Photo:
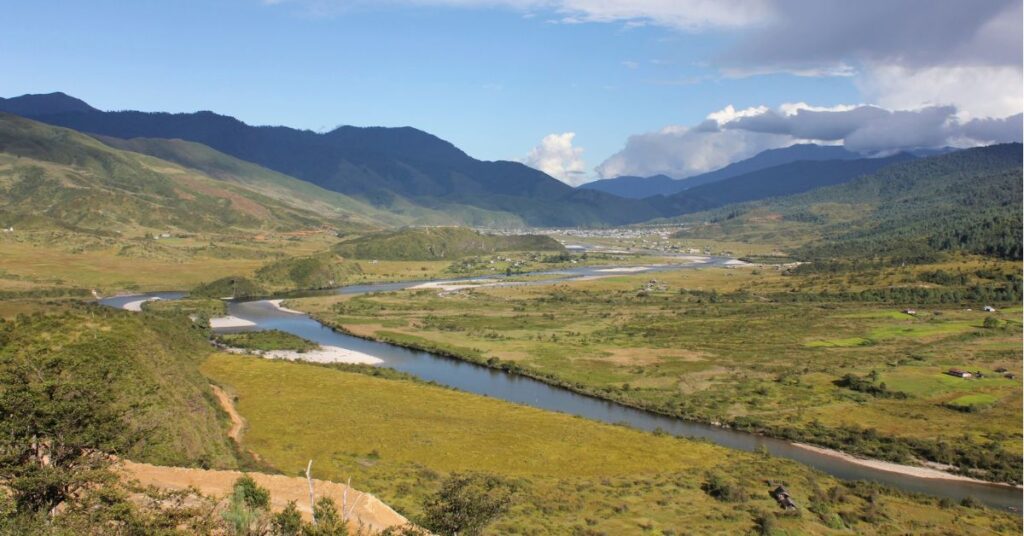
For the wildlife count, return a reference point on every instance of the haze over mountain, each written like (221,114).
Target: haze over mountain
(776,181)
(641,187)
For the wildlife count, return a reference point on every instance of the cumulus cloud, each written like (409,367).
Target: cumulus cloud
(729,135)
(556,156)
(679,151)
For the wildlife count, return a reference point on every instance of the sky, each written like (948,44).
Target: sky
(581,89)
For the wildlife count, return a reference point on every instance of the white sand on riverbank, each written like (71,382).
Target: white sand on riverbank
(277,305)
(230,322)
(136,305)
(453,286)
(736,262)
(624,269)
(326,354)
(692,258)
(909,470)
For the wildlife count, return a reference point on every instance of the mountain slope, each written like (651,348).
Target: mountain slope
(772,158)
(251,176)
(643,187)
(52,176)
(381,165)
(636,187)
(969,200)
(786,179)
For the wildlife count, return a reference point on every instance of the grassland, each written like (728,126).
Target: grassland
(266,341)
(399,438)
(719,345)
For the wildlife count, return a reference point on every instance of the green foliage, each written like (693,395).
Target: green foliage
(909,212)
(467,503)
(436,243)
(327,521)
(228,287)
(266,341)
(717,486)
(142,367)
(58,419)
(868,385)
(287,522)
(325,270)
(247,513)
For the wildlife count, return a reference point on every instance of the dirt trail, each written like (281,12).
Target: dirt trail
(237,422)
(366,509)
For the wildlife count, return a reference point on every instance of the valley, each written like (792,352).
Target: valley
(418,321)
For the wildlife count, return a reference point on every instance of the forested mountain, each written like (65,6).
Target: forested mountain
(51,176)
(969,200)
(636,187)
(643,187)
(777,181)
(387,167)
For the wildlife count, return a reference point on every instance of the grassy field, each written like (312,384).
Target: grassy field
(709,345)
(398,439)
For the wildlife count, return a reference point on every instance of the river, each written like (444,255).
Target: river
(498,384)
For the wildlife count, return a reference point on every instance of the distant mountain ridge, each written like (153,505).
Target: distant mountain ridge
(777,181)
(642,187)
(380,165)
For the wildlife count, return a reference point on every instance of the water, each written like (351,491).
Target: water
(518,389)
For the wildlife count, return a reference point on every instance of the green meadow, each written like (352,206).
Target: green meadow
(708,345)
(399,438)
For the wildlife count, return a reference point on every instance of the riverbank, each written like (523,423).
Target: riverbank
(515,370)
(909,470)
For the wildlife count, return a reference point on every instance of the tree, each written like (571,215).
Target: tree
(247,514)
(328,521)
(467,503)
(287,522)
(58,424)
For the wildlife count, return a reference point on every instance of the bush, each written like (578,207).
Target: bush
(467,503)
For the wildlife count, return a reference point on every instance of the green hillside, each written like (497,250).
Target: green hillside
(439,243)
(964,201)
(147,365)
(270,183)
(52,177)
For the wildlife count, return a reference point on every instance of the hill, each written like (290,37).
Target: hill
(969,200)
(388,167)
(145,362)
(782,180)
(55,177)
(440,243)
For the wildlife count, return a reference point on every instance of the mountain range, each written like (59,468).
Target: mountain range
(642,187)
(396,176)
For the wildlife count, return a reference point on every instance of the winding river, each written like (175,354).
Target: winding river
(513,388)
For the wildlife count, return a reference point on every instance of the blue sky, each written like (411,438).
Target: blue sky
(493,77)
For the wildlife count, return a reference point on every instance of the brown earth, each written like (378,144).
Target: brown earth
(366,510)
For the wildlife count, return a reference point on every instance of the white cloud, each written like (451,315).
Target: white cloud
(679,151)
(729,135)
(681,14)
(976,91)
(556,156)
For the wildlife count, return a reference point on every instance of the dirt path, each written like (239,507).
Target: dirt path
(237,422)
(367,511)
